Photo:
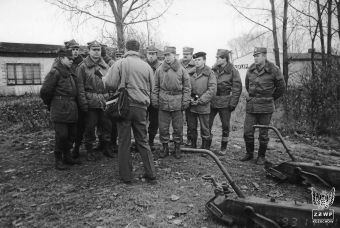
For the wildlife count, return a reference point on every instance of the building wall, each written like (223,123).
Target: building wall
(45,66)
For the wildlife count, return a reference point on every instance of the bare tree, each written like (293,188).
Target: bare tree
(274,31)
(285,42)
(120,13)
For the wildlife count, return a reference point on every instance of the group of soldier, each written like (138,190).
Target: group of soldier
(160,94)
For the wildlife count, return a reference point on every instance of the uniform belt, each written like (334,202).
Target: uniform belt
(173,92)
(64,98)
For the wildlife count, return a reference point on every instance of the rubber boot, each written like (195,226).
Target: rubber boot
(250,152)
(223,150)
(194,143)
(67,158)
(165,151)
(59,165)
(90,153)
(75,151)
(177,153)
(100,146)
(108,150)
(261,154)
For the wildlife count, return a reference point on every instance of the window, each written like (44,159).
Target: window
(23,74)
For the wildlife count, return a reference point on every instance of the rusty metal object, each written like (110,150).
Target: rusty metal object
(313,174)
(250,211)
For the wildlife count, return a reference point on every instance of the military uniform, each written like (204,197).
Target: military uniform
(264,86)
(59,92)
(92,98)
(203,88)
(152,111)
(229,89)
(189,66)
(171,95)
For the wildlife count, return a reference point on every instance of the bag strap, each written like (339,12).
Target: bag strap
(126,77)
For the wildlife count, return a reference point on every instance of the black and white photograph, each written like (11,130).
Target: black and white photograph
(170,113)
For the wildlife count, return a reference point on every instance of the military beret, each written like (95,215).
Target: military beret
(222,52)
(169,49)
(188,50)
(151,49)
(93,44)
(70,44)
(258,50)
(199,54)
(62,52)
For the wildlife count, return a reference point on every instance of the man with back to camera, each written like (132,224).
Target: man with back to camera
(264,84)
(171,95)
(59,93)
(203,88)
(139,86)
(152,60)
(229,89)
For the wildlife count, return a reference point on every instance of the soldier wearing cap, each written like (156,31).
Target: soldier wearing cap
(59,93)
(152,60)
(119,55)
(77,59)
(171,95)
(108,60)
(189,64)
(264,84)
(229,89)
(92,98)
(203,88)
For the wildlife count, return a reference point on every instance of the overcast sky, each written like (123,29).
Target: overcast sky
(205,25)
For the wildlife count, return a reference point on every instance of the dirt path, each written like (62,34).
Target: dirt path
(34,194)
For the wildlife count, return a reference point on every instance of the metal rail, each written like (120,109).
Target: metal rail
(222,168)
(279,135)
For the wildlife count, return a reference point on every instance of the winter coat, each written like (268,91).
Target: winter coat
(91,90)
(188,65)
(263,87)
(172,87)
(229,87)
(59,92)
(154,65)
(203,85)
(140,81)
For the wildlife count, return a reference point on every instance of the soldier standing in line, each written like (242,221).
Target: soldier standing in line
(171,95)
(92,98)
(189,64)
(265,84)
(229,89)
(152,60)
(59,92)
(203,88)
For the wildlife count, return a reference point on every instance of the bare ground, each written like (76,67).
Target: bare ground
(34,194)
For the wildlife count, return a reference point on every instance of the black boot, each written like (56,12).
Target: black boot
(59,165)
(67,158)
(151,143)
(90,153)
(108,150)
(194,143)
(177,153)
(223,150)
(261,154)
(100,146)
(208,145)
(204,144)
(250,151)
(165,151)
(75,151)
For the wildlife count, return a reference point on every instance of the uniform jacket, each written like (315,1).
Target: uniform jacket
(172,87)
(59,93)
(154,65)
(263,87)
(204,85)
(140,81)
(189,65)
(91,90)
(229,87)
(75,63)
